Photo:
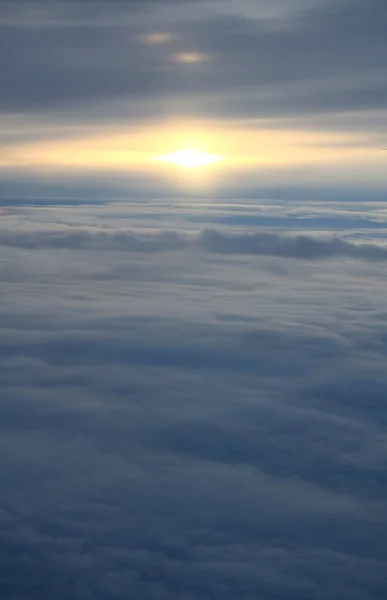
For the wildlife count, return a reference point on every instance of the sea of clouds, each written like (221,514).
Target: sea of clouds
(194,400)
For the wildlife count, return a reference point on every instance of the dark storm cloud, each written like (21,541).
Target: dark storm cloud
(44,68)
(304,246)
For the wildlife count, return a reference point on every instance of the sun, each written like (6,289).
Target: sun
(190,158)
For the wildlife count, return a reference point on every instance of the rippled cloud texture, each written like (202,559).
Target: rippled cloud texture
(193,408)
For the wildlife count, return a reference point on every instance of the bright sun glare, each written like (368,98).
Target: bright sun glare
(189,158)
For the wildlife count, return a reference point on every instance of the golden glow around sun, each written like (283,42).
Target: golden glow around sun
(190,151)
(190,158)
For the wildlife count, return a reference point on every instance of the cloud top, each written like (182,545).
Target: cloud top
(298,246)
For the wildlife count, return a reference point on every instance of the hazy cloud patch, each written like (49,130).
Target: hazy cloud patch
(303,246)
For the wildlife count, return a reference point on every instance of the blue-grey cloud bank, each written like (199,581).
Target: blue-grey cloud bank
(193,412)
(193,363)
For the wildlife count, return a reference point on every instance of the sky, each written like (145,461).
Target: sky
(290,93)
(193,327)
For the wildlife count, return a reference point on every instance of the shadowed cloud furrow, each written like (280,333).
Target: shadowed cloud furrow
(303,246)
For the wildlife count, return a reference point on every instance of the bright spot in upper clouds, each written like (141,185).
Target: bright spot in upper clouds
(190,57)
(189,158)
(157,37)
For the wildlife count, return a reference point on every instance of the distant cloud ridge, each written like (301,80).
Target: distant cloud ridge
(303,246)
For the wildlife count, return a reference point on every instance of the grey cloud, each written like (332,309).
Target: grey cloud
(75,64)
(260,351)
(303,102)
(97,240)
(154,446)
(303,246)
(44,69)
(156,479)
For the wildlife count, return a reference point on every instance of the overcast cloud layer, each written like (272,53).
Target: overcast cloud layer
(193,415)
(328,57)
